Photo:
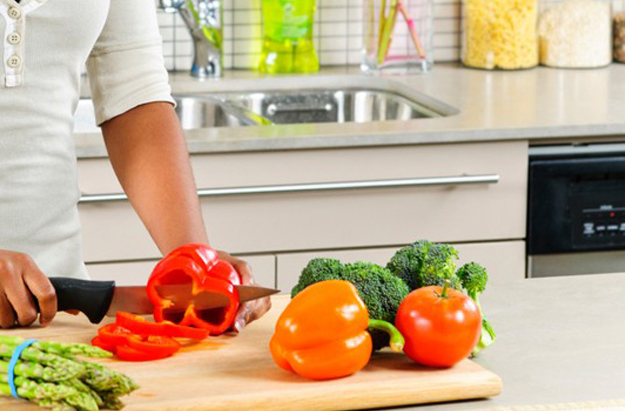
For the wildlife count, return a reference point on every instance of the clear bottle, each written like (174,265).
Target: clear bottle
(500,34)
(287,37)
(576,34)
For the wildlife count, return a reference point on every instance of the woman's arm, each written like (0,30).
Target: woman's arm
(148,152)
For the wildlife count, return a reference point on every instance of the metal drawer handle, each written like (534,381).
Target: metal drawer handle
(297,188)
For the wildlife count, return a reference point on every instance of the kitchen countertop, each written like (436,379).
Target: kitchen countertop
(559,340)
(543,104)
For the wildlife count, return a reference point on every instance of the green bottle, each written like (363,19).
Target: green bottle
(287,37)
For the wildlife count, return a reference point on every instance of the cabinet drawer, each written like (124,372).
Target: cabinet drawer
(317,199)
(137,273)
(505,261)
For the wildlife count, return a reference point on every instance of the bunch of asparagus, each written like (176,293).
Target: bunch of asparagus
(50,375)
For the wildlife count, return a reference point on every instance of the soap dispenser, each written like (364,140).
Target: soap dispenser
(287,37)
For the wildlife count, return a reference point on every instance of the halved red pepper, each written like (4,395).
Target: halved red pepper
(140,325)
(199,266)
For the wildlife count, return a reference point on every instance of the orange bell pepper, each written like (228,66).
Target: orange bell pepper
(322,334)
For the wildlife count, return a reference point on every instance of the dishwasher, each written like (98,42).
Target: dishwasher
(576,210)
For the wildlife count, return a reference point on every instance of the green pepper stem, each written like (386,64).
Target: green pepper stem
(397,340)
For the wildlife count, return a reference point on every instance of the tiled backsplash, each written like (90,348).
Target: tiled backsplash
(337,33)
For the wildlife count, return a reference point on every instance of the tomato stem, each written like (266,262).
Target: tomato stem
(445,287)
(397,340)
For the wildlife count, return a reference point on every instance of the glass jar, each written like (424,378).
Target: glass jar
(397,36)
(500,34)
(619,37)
(576,34)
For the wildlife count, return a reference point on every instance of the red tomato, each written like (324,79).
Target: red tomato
(440,330)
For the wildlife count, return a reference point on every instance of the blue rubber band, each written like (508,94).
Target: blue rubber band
(14,359)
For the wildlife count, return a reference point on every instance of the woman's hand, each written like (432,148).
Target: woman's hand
(21,282)
(252,310)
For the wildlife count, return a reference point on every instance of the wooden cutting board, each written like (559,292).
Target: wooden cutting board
(235,373)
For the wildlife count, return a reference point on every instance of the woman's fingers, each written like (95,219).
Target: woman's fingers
(24,291)
(251,310)
(7,315)
(41,287)
(16,291)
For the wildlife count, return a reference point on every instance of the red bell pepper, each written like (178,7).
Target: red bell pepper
(140,325)
(199,266)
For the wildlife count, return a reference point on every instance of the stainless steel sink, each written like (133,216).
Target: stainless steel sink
(331,99)
(194,112)
(329,106)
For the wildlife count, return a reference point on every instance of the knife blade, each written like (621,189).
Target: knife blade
(97,299)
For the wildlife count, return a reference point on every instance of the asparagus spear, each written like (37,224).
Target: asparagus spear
(33,370)
(82,387)
(70,367)
(101,378)
(82,402)
(112,402)
(58,348)
(54,405)
(39,390)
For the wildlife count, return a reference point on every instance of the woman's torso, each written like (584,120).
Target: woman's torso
(38,184)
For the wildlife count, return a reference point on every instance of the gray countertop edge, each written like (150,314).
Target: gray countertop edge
(340,140)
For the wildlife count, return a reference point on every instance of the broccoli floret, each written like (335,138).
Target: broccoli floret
(317,270)
(440,265)
(408,262)
(379,289)
(422,264)
(473,278)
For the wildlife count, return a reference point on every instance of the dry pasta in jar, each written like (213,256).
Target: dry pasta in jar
(576,34)
(500,34)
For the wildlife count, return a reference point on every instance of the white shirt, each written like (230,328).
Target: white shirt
(44,45)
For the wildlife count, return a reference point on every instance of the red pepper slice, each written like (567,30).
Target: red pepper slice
(154,344)
(113,334)
(113,337)
(127,353)
(198,265)
(140,325)
(97,341)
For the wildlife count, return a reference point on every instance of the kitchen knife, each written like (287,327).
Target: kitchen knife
(97,299)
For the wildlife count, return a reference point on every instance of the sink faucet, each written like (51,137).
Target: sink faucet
(204,21)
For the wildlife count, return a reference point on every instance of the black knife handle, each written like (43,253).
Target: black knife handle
(93,298)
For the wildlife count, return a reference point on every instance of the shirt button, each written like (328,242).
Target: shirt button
(14,38)
(14,61)
(15,13)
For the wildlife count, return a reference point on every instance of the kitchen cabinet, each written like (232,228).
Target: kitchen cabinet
(285,219)
(505,260)
(138,272)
